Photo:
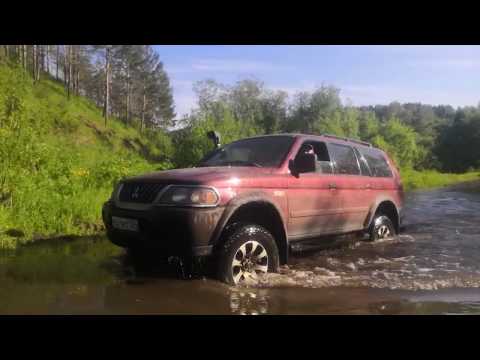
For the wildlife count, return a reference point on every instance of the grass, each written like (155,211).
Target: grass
(428,179)
(58,160)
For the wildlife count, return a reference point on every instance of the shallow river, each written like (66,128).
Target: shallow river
(433,267)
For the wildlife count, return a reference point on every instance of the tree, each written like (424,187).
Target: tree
(400,141)
(126,60)
(300,118)
(105,52)
(313,112)
(369,125)
(161,109)
(273,110)
(350,123)
(212,97)
(457,145)
(245,100)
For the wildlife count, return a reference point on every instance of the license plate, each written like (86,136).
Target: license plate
(124,224)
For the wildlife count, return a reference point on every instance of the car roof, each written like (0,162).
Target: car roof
(320,137)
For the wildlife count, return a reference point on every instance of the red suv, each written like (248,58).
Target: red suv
(248,203)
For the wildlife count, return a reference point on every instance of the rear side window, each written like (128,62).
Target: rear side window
(363,163)
(376,162)
(344,159)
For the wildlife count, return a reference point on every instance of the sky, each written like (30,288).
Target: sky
(365,74)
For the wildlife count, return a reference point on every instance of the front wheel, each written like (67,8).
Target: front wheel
(382,228)
(247,252)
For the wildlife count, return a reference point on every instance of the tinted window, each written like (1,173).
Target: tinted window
(363,163)
(268,151)
(377,163)
(323,164)
(344,159)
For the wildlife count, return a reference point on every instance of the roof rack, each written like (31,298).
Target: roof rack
(347,139)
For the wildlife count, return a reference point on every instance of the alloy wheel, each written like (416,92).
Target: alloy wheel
(250,260)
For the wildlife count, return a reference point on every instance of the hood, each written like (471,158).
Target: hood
(202,175)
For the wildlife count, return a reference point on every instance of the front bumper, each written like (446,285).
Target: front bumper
(179,231)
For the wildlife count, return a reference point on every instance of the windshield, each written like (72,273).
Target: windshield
(266,151)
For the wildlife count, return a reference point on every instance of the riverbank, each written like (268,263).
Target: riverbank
(428,179)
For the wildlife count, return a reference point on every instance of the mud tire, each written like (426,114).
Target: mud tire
(236,236)
(381,227)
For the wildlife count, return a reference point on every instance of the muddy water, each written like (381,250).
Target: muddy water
(433,267)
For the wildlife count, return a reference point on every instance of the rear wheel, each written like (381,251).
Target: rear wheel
(382,227)
(248,251)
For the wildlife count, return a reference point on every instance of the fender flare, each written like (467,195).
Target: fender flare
(374,208)
(248,198)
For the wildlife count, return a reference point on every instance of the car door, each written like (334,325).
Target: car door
(353,188)
(313,201)
(369,183)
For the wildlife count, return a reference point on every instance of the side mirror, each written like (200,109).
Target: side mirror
(215,137)
(303,163)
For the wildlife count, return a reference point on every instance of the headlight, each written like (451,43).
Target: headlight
(189,196)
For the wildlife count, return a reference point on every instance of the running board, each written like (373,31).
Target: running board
(306,247)
(322,243)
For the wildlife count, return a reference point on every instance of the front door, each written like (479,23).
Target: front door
(314,205)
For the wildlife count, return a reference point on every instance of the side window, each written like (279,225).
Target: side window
(324,165)
(377,163)
(344,159)
(363,163)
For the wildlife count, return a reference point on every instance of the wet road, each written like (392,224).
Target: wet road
(433,267)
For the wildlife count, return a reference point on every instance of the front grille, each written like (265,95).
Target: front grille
(139,192)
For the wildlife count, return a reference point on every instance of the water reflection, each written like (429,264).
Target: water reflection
(248,301)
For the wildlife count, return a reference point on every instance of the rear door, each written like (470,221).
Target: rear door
(313,201)
(353,186)
(383,182)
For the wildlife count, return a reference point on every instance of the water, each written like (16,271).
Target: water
(431,268)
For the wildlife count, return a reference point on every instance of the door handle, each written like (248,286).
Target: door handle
(332,186)
(368,186)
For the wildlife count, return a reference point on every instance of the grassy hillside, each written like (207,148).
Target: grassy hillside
(58,160)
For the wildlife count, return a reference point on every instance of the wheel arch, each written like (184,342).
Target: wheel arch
(260,210)
(387,207)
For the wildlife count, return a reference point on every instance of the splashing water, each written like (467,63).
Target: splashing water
(440,248)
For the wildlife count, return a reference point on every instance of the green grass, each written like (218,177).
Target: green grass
(58,160)
(432,179)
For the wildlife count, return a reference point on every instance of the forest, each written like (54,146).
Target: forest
(74,119)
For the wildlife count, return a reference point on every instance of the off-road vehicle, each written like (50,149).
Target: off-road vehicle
(248,203)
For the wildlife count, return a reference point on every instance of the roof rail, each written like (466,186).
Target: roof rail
(347,139)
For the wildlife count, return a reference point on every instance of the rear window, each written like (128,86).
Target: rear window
(344,159)
(376,162)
